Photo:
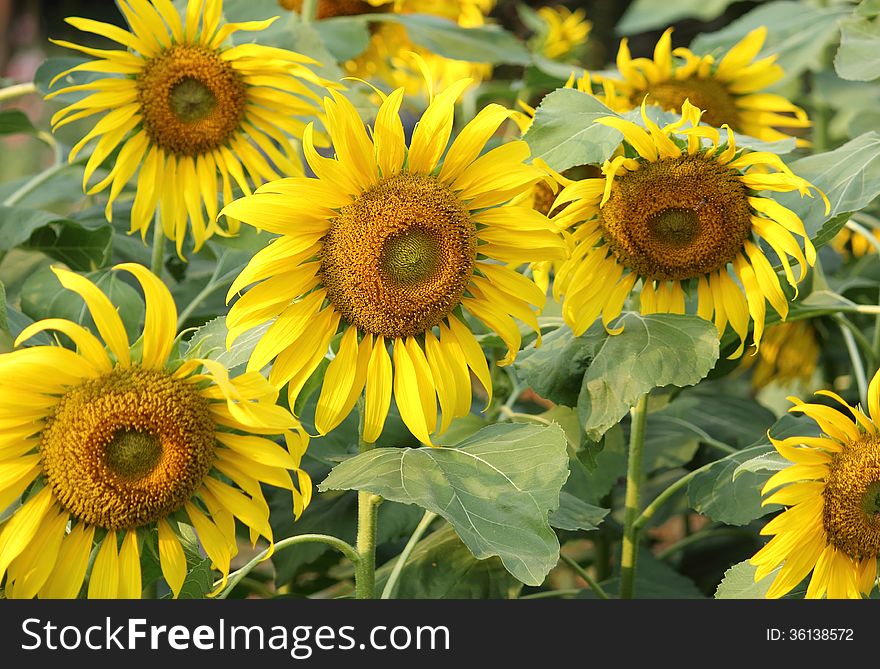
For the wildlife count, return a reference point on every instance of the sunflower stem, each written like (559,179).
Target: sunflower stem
(584,574)
(668,494)
(634,476)
(858,368)
(391,585)
(17,91)
(33,183)
(212,285)
(342,546)
(309,10)
(365,568)
(157,261)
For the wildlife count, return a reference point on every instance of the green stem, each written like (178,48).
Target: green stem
(601,556)
(667,494)
(343,547)
(35,182)
(858,368)
(584,574)
(679,546)
(309,10)
(365,569)
(391,585)
(634,475)
(866,345)
(17,91)
(157,260)
(194,304)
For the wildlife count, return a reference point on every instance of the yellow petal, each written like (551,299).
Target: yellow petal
(171,558)
(104,580)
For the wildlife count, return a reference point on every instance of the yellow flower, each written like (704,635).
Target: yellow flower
(113,444)
(832,490)
(387,60)
(566,30)
(682,213)
(390,247)
(731,90)
(789,352)
(183,106)
(849,243)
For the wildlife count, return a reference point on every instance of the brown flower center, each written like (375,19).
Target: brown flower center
(851,515)
(708,94)
(128,448)
(398,259)
(677,218)
(192,100)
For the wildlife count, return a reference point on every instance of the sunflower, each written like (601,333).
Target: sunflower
(789,352)
(386,59)
(731,90)
(184,106)
(565,31)
(832,490)
(118,445)
(391,248)
(681,214)
(852,244)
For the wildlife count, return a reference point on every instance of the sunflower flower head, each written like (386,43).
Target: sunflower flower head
(831,491)
(565,32)
(731,90)
(393,248)
(190,115)
(682,214)
(117,445)
(789,353)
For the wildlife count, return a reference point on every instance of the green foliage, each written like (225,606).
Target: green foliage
(858,57)
(644,15)
(612,372)
(13,121)
(496,488)
(576,514)
(442,567)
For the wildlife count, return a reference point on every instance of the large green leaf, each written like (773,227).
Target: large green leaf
(209,341)
(739,583)
(614,371)
(6,337)
(575,514)
(645,15)
(797,34)
(480,44)
(343,37)
(78,247)
(441,567)
(850,178)
(17,224)
(14,121)
(496,489)
(729,491)
(565,133)
(42,296)
(858,57)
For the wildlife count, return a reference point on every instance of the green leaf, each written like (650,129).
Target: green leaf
(729,490)
(209,341)
(850,178)
(564,132)
(14,121)
(17,224)
(198,582)
(739,583)
(654,580)
(575,514)
(6,338)
(796,33)
(78,247)
(496,489)
(643,15)
(343,37)
(613,371)
(42,296)
(441,567)
(733,501)
(858,58)
(480,44)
